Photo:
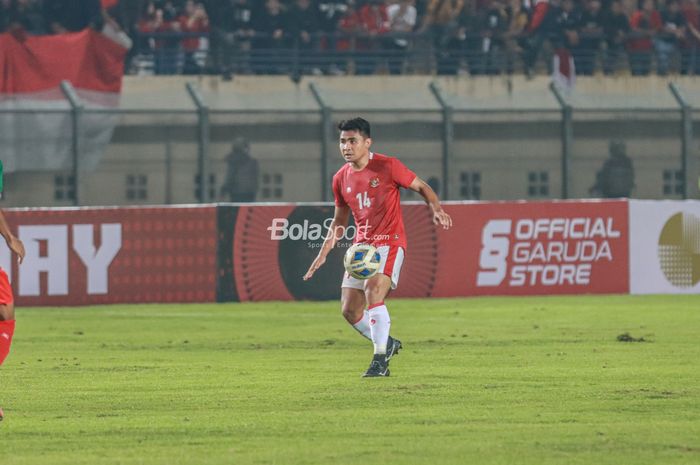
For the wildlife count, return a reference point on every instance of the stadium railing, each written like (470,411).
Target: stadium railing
(227,53)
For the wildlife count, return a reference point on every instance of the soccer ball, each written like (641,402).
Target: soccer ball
(362,261)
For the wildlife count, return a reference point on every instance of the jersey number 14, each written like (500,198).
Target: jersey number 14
(363,200)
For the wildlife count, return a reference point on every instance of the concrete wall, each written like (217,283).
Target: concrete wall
(505,129)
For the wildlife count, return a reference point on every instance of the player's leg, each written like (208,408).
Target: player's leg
(376,290)
(7,319)
(7,316)
(7,329)
(353,305)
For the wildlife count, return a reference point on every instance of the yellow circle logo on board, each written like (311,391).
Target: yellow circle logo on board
(679,250)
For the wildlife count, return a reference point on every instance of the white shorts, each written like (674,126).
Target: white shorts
(390,265)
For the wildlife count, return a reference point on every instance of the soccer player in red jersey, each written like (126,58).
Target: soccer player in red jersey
(7,307)
(368,186)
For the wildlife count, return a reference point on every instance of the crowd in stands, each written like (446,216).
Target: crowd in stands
(391,36)
(38,17)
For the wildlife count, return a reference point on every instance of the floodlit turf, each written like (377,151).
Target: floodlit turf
(481,381)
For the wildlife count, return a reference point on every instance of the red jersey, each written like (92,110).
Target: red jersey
(640,20)
(191,44)
(373,196)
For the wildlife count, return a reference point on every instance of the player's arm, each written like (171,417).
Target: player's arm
(431,198)
(335,231)
(12,242)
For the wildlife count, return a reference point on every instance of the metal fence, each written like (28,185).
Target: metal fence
(465,149)
(496,53)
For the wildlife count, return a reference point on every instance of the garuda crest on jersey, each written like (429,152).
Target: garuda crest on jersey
(374,182)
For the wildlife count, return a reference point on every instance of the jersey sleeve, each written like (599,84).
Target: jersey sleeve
(401,174)
(338,192)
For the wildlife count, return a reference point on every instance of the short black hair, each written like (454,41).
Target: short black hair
(358,124)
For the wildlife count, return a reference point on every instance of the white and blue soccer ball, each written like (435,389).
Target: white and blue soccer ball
(362,261)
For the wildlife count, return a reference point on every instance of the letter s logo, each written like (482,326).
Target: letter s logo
(494,253)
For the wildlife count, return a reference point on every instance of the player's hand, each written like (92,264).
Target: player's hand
(314,266)
(17,247)
(443,219)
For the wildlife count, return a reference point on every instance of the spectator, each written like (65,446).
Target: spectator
(169,28)
(193,21)
(672,30)
(616,177)
(21,17)
(590,38)
(169,57)
(645,23)
(442,21)
(147,25)
(493,25)
(234,36)
(271,29)
(241,184)
(564,38)
(349,27)
(568,23)
(159,26)
(543,25)
(690,45)
(304,28)
(616,26)
(402,20)
(71,16)
(466,42)
(330,13)
(517,21)
(374,22)
(442,18)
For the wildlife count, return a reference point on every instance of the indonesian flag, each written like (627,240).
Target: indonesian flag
(37,135)
(563,69)
(538,15)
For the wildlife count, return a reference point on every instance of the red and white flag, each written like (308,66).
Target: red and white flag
(35,119)
(563,69)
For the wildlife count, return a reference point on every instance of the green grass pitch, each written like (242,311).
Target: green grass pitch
(480,381)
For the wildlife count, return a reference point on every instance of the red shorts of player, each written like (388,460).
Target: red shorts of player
(5,289)
(391,262)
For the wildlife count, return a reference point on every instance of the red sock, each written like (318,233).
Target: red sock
(7,329)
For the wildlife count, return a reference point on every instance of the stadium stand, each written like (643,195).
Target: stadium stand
(445,37)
